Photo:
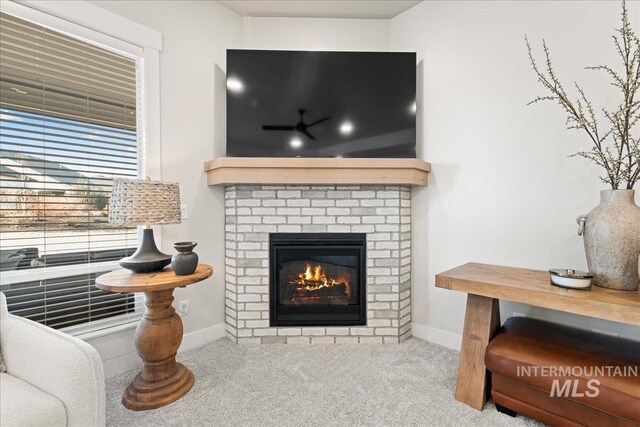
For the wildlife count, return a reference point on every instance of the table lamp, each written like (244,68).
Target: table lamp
(144,202)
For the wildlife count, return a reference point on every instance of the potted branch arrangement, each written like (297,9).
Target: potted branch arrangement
(612,230)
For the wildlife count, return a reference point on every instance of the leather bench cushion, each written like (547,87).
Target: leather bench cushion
(523,342)
(554,411)
(22,404)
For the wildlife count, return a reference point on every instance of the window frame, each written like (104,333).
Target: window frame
(87,22)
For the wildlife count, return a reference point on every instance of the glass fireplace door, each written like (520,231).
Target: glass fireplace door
(317,281)
(311,277)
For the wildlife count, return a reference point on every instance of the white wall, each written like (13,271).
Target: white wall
(196,35)
(316,34)
(502,189)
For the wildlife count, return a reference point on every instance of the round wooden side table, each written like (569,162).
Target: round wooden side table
(158,335)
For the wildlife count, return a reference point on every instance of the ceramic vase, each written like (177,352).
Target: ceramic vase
(185,261)
(612,240)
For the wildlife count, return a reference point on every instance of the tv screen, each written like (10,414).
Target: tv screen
(321,104)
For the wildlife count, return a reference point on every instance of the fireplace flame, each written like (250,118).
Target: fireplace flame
(314,279)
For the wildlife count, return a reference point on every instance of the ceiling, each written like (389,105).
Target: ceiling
(356,9)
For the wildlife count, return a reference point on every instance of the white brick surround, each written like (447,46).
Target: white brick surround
(254,211)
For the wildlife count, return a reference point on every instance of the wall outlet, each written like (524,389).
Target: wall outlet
(184,212)
(183,307)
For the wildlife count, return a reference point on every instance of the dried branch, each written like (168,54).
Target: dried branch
(615,150)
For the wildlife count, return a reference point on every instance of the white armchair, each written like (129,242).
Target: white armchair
(52,379)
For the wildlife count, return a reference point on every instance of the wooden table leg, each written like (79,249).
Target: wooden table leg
(158,337)
(481,320)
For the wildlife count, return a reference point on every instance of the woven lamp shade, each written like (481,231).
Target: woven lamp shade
(144,202)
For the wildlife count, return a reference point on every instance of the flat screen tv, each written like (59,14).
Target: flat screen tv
(321,104)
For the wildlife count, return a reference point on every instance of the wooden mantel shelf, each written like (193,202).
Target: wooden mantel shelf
(278,170)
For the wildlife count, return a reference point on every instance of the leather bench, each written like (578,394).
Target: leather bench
(594,377)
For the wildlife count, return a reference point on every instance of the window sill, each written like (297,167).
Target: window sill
(90,335)
(43,273)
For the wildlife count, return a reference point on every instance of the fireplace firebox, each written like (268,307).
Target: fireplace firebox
(317,279)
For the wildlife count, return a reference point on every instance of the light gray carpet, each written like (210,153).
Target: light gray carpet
(314,385)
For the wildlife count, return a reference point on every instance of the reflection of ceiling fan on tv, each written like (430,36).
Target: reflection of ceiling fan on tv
(300,127)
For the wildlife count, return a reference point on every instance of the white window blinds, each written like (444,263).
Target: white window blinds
(67,128)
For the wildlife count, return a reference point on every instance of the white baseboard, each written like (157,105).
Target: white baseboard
(437,336)
(119,364)
(201,337)
(130,360)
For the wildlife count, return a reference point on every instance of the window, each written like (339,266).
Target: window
(68,126)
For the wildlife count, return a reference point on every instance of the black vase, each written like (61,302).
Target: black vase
(185,261)
(147,258)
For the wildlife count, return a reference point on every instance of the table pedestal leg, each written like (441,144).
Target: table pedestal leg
(158,337)
(481,320)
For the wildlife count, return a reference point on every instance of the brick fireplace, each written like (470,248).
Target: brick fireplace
(255,213)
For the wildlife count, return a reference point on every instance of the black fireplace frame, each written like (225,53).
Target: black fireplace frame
(327,315)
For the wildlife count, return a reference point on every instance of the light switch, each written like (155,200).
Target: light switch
(183,212)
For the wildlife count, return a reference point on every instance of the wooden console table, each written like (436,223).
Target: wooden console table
(487,284)
(158,336)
